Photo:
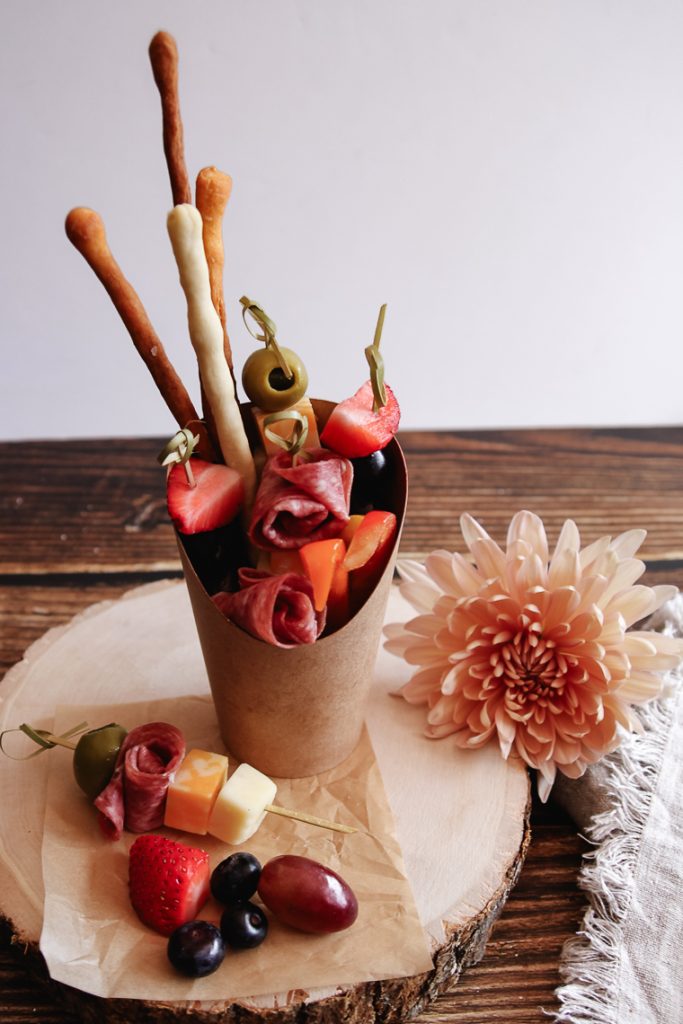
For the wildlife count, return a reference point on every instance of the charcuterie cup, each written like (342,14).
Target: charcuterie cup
(299,711)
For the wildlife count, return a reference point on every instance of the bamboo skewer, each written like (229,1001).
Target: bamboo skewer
(309,819)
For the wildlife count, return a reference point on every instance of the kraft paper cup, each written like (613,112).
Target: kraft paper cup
(299,711)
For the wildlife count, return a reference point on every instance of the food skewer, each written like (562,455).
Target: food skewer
(163,54)
(85,230)
(212,192)
(206,334)
(113,734)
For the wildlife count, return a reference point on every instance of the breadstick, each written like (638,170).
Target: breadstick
(163,53)
(185,231)
(85,230)
(212,193)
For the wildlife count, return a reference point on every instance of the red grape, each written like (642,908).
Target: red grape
(307,895)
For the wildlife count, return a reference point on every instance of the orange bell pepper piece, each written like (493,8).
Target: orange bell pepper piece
(320,558)
(370,539)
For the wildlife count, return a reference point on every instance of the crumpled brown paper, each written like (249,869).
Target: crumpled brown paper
(93,940)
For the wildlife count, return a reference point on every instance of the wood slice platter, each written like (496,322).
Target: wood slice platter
(461,818)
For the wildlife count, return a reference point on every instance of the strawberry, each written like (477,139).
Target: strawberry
(354,430)
(168,882)
(213,502)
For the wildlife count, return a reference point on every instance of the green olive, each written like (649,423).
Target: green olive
(95,757)
(266,383)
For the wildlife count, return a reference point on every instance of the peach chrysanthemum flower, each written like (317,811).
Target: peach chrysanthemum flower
(530,649)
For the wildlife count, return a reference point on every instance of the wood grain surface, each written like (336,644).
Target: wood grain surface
(84,521)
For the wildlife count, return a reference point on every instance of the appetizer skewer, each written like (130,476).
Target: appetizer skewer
(195,794)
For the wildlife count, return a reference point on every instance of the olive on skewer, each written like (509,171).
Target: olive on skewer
(95,753)
(273,377)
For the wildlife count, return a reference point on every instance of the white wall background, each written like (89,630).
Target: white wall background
(506,174)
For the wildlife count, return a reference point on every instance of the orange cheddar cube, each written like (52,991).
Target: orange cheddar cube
(193,792)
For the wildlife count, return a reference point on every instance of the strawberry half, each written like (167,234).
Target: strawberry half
(214,502)
(354,430)
(168,882)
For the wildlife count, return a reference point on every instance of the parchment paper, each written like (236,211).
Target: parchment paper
(93,940)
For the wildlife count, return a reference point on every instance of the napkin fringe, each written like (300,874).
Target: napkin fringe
(590,961)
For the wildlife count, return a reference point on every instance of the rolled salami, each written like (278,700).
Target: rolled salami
(277,609)
(299,502)
(136,794)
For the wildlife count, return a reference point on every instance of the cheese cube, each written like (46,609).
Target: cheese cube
(240,806)
(283,428)
(192,793)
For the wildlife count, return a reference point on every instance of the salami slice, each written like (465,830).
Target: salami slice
(277,609)
(303,502)
(136,794)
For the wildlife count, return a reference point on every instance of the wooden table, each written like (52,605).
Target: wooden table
(83,521)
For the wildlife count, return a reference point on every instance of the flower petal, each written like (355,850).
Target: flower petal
(664,592)
(626,573)
(633,604)
(565,570)
(422,597)
(545,779)
(593,554)
(526,526)
(489,558)
(439,565)
(639,687)
(472,530)
(568,540)
(626,544)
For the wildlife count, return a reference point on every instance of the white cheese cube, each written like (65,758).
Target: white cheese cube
(240,806)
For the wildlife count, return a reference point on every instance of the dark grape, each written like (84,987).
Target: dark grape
(196,948)
(216,554)
(369,479)
(244,925)
(235,879)
(307,895)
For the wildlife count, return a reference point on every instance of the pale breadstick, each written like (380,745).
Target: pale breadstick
(185,231)
(85,229)
(163,54)
(212,192)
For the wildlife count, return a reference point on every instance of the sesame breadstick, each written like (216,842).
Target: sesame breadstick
(212,192)
(85,230)
(185,231)
(163,53)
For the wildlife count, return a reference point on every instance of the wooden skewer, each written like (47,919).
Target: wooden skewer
(309,819)
(163,54)
(85,230)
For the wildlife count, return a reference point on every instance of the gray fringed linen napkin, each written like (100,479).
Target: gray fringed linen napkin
(625,966)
